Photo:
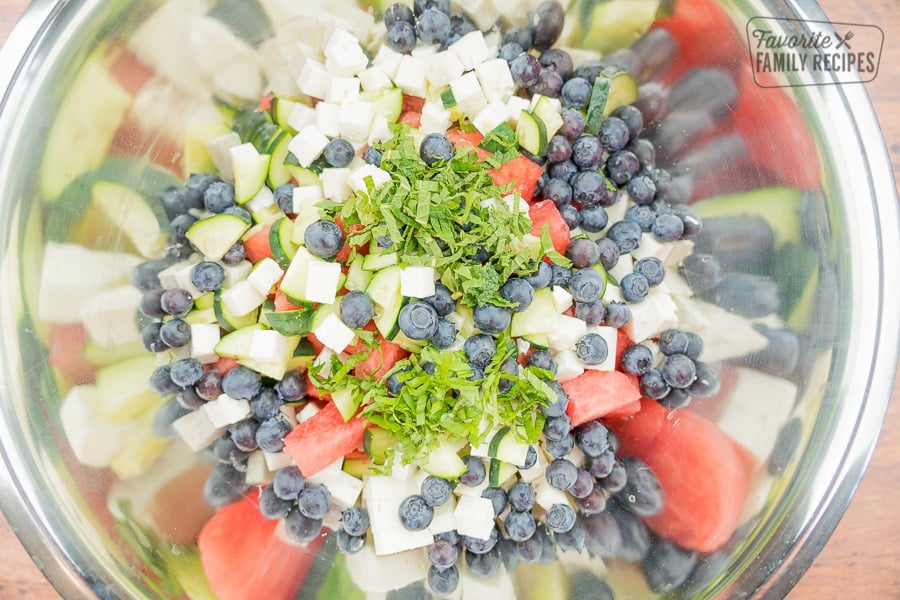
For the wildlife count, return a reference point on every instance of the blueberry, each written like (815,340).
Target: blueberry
(530,459)
(573,124)
(644,151)
(592,438)
(653,385)
(636,538)
(393,383)
(271,506)
(583,253)
(444,335)
(560,275)
(219,196)
(679,370)
(266,404)
(186,371)
(196,186)
(602,535)
(641,189)
(519,291)
(541,359)
(207,276)
(576,93)
(271,432)
(145,276)
(241,383)
(323,238)
(443,554)
(561,473)
(559,149)
(150,304)
(372,156)
(558,190)
(622,166)
(165,415)
(349,544)
(530,550)
(284,197)
(692,224)
(224,485)
(415,513)
(475,471)
(300,528)
(642,215)
(609,253)
(288,482)
(484,564)
(586,285)
(602,465)
(150,338)
(443,581)
(521,36)
(176,302)
(571,540)
(636,359)
(436,149)
(189,398)
(564,170)
(338,152)
(541,277)
(497,496)
(509,51)
(401,37)
(521,496)
(594,218)
(356,309)
(432,26)
(591,313)
(418,320)
(668,228)
(239,212)
(435,490)
(481,545)
(525,70)
(571,215)
(676,398)
(314,501)
(175,333)
(560,518)
(227,452)
(559,61)
(355,520)
(583,486)
(642,494)
(586,151)
(632,117)
(613,134)
(419,6)
(546,21)
(635,287)
(626,235)
(549,83)
(173,201)
(519,525)
(556,428)
(442,301)
(562,447)
(707,382)
(667,566)
(180,226)
(209,386)
(490,318)
(234,255)
(398,12)
(161,381)
(676,341)
(652,268)
(617,314)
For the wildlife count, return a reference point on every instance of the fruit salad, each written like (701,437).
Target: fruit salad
(430,303)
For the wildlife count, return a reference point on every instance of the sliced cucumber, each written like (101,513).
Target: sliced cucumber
(613,88)
(283,249)
(213,236)
(345,402)
(250,171)
(201,315)
(377,443)
(534,319)
(500,472)
(388,103)
(357,277)
(293,284)
(280,109)
(197,158)
(301,175)
(140,221)
(778,206)
(540,341)
(405,342)
(616,24)
(384,290)
(444,461)
(227,319)
(302,356)
(505,447)
(290,322)
(532,133)
(547,110)
(279,172)
(379,260)
(448,100)
(323,312)
(237,343)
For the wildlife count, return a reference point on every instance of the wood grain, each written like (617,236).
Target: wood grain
(860,560)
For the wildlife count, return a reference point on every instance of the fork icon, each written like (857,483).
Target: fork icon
(844,41)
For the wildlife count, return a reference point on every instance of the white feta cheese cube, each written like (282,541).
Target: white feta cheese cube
(443,67)
(196,430)
(219,149)
(265,275)
(495,79)
(676,283)
(343,54)
(425,50)
(612,293)
(335,183)
(275,461)
(308,411)
(435,118)
(308,145)
(387,60)
(242,298)
(567,332)
(355,120)
(301,116)
(490,117)
(374,78)
(545,495)
(183,280)
(561,298)
(357,179)
(257,472)
(469,97)
(345,488)
(611,336)
(444,519)
(263,199)
(306,194)
(650,246)
(314,79)
(108,316)
(322,281)
(514,107)
(410,76)
(486,12)
(267,345)
(343,89)
(94,441)
(651,316)
(236,273)
(679,250)
(568,365)
(204,337)
(380,130)
(328,115)
(225,410)
(471,50)
(624,266)
(417,281)
(334,334)
(474,517)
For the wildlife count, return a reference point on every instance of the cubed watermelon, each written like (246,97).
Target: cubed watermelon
(545,213)
(257,246)
(704,474)
(595,394)
(325,437)
(283,303)
(65,351)
(243,557)
(522,172)
(381,359)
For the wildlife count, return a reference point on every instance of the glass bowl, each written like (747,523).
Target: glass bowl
(107,91)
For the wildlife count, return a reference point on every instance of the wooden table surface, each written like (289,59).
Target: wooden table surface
(861,558)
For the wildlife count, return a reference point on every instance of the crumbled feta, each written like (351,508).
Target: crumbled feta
(474,517)
(471,50)
(265,275)
(374,78)
(322,281)
(343,89)
(343,54)
(301,116)
(443,67)
(357,179)
(387,60)
(495,79)
(355,120)
(490,117)
(435,118)
(242,298)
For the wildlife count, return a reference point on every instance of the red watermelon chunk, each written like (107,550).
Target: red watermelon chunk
(704,474)
(522,172)
(319,441)
(243,557)
(595,394)
(545,213)
(380,360)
